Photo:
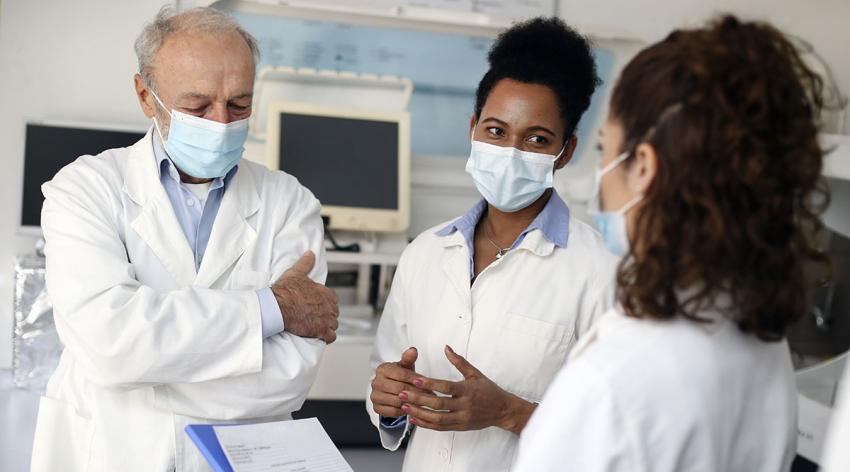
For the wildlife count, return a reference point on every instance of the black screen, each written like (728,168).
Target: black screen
(47,149)
(343,161)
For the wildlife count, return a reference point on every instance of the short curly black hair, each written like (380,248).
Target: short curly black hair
(544,51)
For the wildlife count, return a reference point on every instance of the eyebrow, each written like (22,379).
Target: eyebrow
(532,128)
(201,96)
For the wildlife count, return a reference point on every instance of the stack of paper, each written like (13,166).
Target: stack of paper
(282,446)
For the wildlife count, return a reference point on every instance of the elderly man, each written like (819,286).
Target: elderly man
(163,262)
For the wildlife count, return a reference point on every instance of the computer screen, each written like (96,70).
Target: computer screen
(48,148)
(348,162)
(355,161)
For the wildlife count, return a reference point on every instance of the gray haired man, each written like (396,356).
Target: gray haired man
(186,282)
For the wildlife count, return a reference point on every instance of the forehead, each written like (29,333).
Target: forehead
(522,104)
(204,63)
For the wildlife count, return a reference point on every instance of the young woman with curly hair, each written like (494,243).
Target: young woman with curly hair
(709,187)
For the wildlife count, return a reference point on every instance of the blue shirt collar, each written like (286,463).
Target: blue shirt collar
(553,221)
(167,168)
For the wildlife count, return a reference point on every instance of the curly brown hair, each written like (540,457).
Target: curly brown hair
(732,112)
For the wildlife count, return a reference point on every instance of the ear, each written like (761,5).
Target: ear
(144,96)
(643,169)
(472,121)
(567,156)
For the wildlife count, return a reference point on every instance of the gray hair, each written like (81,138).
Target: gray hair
(169,22)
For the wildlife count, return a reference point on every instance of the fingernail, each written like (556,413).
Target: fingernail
(449,348)
(405,408)
(418,382)
(403,396)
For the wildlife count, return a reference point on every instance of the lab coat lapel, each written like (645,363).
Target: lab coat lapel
(231,234)
(455,262)
(157,224)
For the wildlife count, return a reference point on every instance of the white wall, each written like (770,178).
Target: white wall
(62,60)
(824,23)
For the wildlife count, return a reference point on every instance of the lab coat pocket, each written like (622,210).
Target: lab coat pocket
(249,280)
(531,351)
(63,438)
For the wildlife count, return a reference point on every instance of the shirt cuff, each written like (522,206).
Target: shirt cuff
(270,314)
(393,423)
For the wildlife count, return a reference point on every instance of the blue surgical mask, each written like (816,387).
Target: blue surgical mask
(202,148)
(508,178)
(611,224)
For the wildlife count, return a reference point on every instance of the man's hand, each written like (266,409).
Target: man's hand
(473,403)
(391,378)
(310,310)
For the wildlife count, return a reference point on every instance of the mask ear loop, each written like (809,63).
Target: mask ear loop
(155,121)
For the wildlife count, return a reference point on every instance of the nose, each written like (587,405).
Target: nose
(219,112)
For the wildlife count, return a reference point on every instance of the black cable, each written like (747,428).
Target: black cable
(353,247)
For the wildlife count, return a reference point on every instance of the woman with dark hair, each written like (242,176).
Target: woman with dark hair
(710,188)
(510,286)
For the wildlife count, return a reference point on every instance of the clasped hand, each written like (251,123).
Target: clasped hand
(474,403)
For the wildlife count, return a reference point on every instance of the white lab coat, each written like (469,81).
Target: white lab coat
(666,396)
(151,346)
(516,324)
(836,453)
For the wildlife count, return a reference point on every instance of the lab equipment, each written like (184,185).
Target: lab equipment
(356,161)
(35,343)
(50,146)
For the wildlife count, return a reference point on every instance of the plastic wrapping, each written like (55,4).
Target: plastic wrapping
(36,345)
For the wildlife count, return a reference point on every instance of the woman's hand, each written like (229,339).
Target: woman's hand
(473,403)
(391,378)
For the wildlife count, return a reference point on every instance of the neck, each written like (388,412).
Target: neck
(506,227)
(188,179)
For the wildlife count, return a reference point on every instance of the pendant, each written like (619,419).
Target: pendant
(501,253)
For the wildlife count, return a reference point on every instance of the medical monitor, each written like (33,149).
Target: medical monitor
(356,162)
(48,147)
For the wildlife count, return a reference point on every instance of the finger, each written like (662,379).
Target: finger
(387,411)
(461,364)
(329,337)
(304,265)
(393,387)
(442,386)
(333,324)
(385,399)
(408,358)
(431,401)
(442,418)
(397,372)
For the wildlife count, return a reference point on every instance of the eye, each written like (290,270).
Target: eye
(195,110)
(599,147)
(538,139)
(239,108)
(495,131)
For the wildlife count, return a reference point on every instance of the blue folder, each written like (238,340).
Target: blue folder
(205,439)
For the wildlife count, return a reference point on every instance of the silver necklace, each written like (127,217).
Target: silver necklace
(499,250)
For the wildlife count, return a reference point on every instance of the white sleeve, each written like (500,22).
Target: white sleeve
(121,332)
(836,453)
(600,296)
(391,341)
(577,426)
(290,362)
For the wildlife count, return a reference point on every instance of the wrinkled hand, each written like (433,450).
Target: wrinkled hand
(473,403)
(390,379)
(310,310)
